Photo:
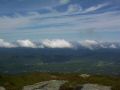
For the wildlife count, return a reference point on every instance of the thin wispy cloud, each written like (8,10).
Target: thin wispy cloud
(108,20)
(72,8)
(96,7)
(58,18)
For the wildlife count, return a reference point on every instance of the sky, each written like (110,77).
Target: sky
(72,20)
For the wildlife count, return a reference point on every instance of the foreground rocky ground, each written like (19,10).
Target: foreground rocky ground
(58,81)
(46,85)
(56,84)
(2,88)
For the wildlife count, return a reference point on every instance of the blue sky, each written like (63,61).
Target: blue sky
(71,20)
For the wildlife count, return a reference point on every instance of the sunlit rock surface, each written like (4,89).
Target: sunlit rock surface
(46,85)
(2,88)
(55,85)
(85,75)
(95,87)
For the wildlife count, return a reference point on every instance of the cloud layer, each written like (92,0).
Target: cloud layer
(59,43)
(26,43)
(5,44)
(89,44)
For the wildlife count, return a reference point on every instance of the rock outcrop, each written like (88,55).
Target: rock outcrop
(56,84)
(2,88)
(94,87)
(46,85)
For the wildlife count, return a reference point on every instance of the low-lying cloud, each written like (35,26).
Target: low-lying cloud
(6,44)
(26,43)
(89,43)
(58,43)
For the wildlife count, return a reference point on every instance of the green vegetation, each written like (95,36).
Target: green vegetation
(16,82)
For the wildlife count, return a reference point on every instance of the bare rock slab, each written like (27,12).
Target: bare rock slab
(2,88)
(95,87)
(46,85)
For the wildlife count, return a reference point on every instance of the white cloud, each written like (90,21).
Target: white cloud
(103,46)
(94,8)
(75,8)
(6,44)
(89,43)
(113,46)
(57,43)
(26,43)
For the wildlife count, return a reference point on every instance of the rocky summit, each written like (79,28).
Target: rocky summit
(55,85)
(46,85)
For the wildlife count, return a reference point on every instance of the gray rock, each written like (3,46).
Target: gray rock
(2,88)
(85,75)
(46,85)
(95,87)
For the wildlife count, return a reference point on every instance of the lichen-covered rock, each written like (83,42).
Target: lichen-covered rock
(46,85)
